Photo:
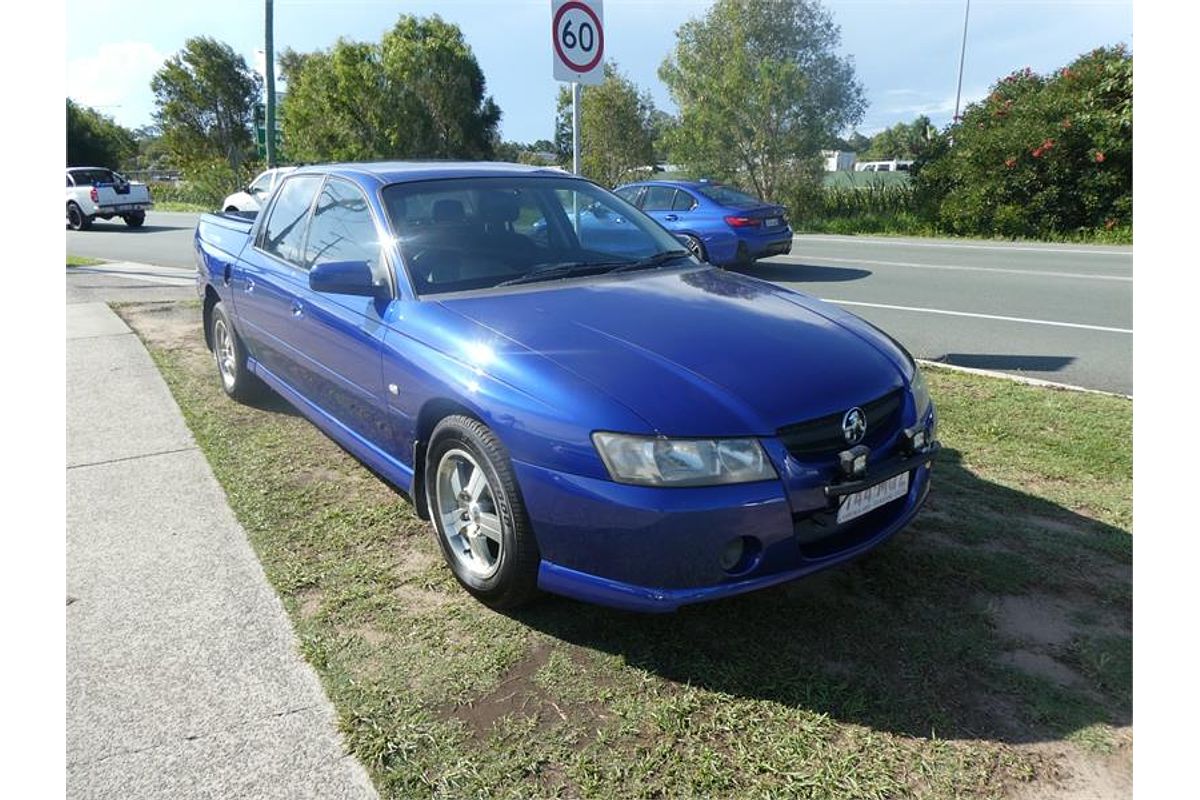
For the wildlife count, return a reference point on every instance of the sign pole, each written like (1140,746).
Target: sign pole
(575,114)
(270,81)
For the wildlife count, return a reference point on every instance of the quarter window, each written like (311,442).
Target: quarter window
(283,235)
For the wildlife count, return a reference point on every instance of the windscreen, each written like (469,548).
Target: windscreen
(728,196)
(476,233)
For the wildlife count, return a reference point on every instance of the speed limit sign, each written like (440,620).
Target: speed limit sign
(578,37)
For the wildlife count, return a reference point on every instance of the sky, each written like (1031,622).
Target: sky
(905,53)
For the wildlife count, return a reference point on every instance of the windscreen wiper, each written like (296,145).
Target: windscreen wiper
(656,260)
(557,270)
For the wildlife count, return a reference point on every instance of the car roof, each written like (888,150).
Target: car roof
(403,171)
(693,185)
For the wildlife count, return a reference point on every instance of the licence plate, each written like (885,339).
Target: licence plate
(859,503)
(125,208)
(773,222)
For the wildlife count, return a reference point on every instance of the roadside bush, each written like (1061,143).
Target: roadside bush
(207,184)
(1041,156)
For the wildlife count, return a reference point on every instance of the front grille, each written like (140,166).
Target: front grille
(823,437)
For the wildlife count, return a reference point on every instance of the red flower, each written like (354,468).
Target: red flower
(1010,162)
(1037,152)
(1049,143)
(1099,156)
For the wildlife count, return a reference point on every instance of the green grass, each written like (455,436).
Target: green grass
(82,261)
(882,679)
(176,205)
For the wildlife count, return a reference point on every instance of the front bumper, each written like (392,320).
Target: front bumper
(656,549)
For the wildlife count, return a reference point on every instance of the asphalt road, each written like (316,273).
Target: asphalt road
(1061,313)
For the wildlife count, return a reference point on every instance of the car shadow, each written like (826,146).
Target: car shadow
(941,632)
(791,271)
(1006,362)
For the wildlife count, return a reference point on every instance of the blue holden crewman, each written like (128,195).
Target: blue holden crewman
(581,408)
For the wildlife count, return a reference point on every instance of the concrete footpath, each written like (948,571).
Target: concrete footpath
(183,676)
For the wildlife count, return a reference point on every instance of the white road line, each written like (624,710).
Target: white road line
(962,268)
(1025,379)
(944,312)
(964,246)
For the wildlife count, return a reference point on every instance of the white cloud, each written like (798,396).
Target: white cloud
(115,80)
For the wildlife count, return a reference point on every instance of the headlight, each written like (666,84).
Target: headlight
(920,390)
(656,461)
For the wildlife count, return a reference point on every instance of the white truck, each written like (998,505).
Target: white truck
(99,192)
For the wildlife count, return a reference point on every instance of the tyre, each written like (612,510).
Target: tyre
(230,356)
(76,219)
(696,247)
(135,220)
(478,515)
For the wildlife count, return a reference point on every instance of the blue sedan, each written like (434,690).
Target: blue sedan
(594,414)
(720,224)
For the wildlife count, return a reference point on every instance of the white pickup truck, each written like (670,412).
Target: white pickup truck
(99,192)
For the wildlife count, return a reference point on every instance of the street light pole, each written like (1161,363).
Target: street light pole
(270,78)
(962,56)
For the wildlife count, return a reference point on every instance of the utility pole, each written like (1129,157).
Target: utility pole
(575,112)
(270,76)
(962,56)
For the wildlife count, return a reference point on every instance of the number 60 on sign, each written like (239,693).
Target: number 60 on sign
(578,40)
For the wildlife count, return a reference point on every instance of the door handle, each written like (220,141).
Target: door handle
(297,308)
(227,276)
(249,285)
(671,217)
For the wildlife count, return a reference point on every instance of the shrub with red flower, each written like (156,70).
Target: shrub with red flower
(1099,156)
(1010,162)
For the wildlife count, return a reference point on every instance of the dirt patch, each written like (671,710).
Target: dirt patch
(1078,775)
(1036,619)
(171,326)
(309,600)
(1043,666)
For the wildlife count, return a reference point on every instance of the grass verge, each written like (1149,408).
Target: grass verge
(82,261)
(176,205)
(974,656)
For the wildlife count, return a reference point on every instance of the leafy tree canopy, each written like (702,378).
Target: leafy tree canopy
(419,93)
(616,128)
(904,140)
(1041,155)
(760,88)
(206,96)
(94,140)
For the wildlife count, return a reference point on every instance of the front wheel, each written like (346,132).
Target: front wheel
(695,247)
(135,220)
(478,514)
(230,356)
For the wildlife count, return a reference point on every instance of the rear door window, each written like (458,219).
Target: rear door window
(683,201)
(658,198)
(283,234)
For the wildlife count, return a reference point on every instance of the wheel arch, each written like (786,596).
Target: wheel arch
(211,298)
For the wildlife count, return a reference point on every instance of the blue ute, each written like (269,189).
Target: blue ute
(575,402)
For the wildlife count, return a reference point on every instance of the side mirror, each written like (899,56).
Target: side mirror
(344,277)
(252,190)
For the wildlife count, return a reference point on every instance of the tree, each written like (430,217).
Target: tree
(206,96)
(419,93)
(1040,155)
(760,88)
(94,140)
(903,140)
(616,128)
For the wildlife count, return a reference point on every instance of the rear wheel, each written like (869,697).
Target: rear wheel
(231,209)
(230,356)
(76,219)
(478,514)
(135,220)
(695,246)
